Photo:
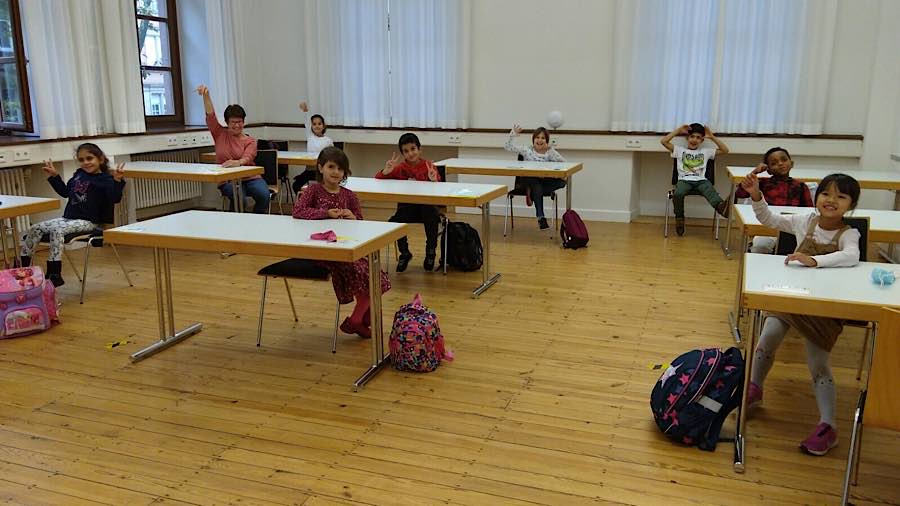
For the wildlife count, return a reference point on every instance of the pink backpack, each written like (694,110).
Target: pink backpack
(416,341)
(572,231)
(27,302)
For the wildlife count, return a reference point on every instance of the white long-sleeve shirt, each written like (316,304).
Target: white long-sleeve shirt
(315,143)
(798,224)
(528,152)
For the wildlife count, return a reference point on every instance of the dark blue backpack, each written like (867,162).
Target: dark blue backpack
(696,393)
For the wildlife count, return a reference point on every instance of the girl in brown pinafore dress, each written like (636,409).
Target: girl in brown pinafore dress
(328,199)
(827,242)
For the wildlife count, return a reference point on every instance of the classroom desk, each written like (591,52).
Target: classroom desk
(200,172)
(490,167)
(868,180)
(438,194)
(840,292)
(284,157)
(256,234)
(13,206)
(884,226)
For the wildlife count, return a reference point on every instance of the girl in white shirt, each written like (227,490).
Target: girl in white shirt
(539,151)
(316,141)
(824,241)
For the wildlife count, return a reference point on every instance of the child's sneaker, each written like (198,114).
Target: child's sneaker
(542,223)
(723,209)
(820,441)
(679,226)
(754,395)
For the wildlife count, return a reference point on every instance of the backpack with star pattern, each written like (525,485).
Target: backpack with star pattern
(696,393)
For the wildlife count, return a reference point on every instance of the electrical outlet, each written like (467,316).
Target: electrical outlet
(455,139)
(185,141)
(633,143)
(194,140)
(4,156)
(172,141)
(21,155)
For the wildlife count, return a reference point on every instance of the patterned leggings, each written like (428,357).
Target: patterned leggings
(57,228)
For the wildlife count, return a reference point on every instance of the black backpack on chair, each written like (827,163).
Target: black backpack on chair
(463,246)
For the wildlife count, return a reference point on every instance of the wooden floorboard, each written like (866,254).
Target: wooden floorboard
(546,402)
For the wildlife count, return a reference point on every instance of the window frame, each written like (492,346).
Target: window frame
(174,68)
(21,68)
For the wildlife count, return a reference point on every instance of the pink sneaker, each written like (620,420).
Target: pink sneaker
(360,329)
(754,395)
(820,441)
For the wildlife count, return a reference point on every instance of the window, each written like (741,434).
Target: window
(157,32)
(745,66)
(15,104)
(360,67)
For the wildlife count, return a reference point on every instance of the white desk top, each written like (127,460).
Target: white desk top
(487,166)
(287,157)
(258,234)
(884,225)
(839,292)
(424,192)
(17,205)
(868,179)
(202,172)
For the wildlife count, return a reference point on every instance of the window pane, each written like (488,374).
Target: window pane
(10,100)
(151,8)
(153,38)
(7,41)
(158,97)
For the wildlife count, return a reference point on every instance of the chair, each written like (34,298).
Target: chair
(284,184)
(878,399)
(268,160)
(519,190)
(787,244)
(710,174)
(92,239)
(293,268)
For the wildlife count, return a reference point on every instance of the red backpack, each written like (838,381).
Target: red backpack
(572,231)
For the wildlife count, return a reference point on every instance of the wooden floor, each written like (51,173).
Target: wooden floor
(546,402)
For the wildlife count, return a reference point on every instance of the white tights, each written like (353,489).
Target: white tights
(817,359)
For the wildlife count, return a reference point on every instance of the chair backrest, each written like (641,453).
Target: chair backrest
(710,173)
(518,182)
(268,160)
(787,243)
(282,167)
(882,401)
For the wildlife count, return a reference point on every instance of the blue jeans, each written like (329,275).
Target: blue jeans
(540,186)
(256,188)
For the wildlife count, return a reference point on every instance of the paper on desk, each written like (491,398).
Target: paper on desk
(793,290)
(463,191)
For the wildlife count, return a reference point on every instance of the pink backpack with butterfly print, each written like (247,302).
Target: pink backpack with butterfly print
(27,302)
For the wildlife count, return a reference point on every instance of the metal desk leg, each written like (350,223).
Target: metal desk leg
(726,248)
(739,438)
(568,193)
(237,196)
(379,358)
(3,243)
(486,279)
(167,334)
(734,317)
(18,248)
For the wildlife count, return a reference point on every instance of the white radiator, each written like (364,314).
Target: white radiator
(12,182)
(151,192)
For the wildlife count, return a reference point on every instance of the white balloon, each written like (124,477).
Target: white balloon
(555,119)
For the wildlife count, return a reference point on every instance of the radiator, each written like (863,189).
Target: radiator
(12,182)
(152,192)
